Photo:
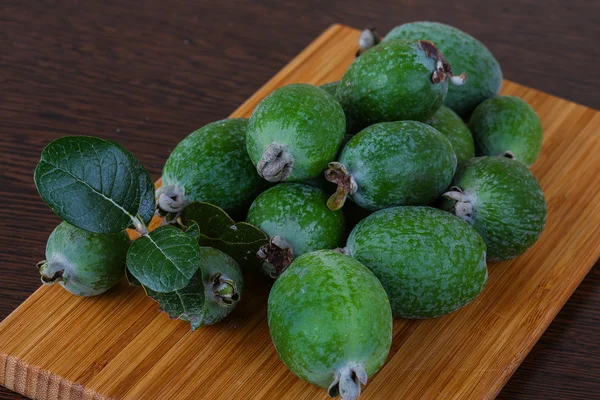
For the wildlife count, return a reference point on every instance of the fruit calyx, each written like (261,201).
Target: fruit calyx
(224,289)
(346,185)
(347,380)
(170,199)
(51,272)
(367,39)
(508,154)
(443,69)
(276,163)
(277,253)
(463,206)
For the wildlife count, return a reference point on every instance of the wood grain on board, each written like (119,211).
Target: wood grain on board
(118,345)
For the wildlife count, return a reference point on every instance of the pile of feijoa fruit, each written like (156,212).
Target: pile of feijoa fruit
(381,195)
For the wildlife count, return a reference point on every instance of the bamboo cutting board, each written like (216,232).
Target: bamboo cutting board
(119,346)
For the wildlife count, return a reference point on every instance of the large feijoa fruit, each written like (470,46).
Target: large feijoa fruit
(393,81)
(84,263)
(391,164)
(330,321)
(452,126)
(297,220)
(429,262)
(211,165)
(465,54)
(508,126)
(503,201)
(294,132)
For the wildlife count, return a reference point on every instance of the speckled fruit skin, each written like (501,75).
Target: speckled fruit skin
(331,87)
(429,261)
(507,124)
(465,54)
(509,209)
(92,262)
(391,82)
(452,126)
(307,120)
(212,262)
(398,163)
(298,213)
(325,311)
(212,165)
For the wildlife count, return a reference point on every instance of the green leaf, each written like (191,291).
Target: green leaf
(193,229)
(211,219)
(186,304)
(90,183)
(164,260)
(147,206)
(240,240)
(132,280)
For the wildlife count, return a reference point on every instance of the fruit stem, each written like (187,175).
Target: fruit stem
(278,253)
(171,199)
(346,185)
(140,227)
(224,289)
(463,206)
(367,39)
(276,163)
(347,380)
(51,272)
(443,69)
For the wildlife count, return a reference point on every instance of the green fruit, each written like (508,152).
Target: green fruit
(465,54)
(211,165)
(294,132)
(503,201)
(452,126)
(296,219)
(330,87)
(507,125)
(429,262)
(393,81)
(330,321)
(85,263)
(391,164)
(223,284)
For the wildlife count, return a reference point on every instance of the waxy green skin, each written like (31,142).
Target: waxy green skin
(391,82)
(398,163)
(452,126)
(331,87)
(429,261)
(325,311)
(298,213)
(465,54)
(212,165)
(306,120)
(92,262)
(213,262)
(507,124)
(509,209)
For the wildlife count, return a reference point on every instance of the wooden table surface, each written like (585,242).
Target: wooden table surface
(147,73)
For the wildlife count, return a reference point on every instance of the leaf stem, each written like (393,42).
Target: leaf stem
(140,227)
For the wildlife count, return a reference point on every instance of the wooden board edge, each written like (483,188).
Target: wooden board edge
(38,384)
(539,331)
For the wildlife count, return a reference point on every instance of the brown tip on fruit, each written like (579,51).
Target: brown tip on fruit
(443,69)
(346,382)
(508,154)
(337,173)
(224,289)
(276,163)
(277,253)
(170,199)
(51,273)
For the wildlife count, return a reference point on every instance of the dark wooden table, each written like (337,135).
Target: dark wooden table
(147,73)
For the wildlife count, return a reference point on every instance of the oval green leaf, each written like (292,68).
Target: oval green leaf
(187,304)
(90,183)
(164,260)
